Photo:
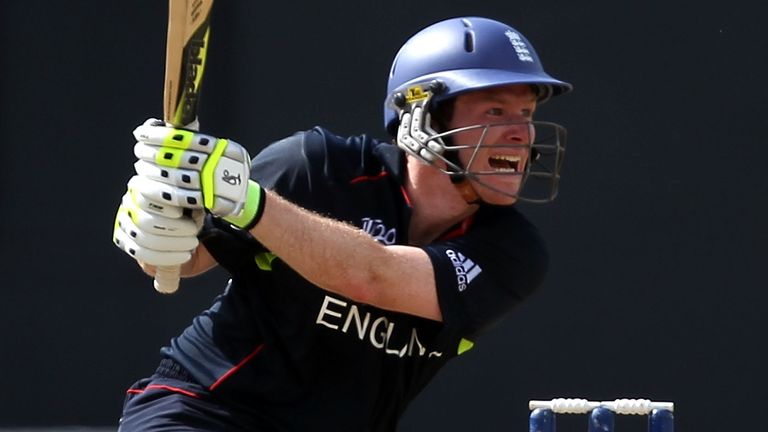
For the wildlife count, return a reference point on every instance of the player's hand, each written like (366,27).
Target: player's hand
(154,233)
(193,170)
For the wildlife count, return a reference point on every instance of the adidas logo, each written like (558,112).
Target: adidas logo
(466,269)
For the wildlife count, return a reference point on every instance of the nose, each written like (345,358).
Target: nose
(519,132)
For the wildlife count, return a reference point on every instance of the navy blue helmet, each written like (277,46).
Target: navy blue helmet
(465,54)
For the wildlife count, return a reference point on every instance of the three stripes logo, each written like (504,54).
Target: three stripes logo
(466,269)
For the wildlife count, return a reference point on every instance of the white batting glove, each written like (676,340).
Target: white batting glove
(187,169)
(154,233)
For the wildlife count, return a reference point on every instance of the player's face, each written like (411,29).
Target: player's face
(505,148)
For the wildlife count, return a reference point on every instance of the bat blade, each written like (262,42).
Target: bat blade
(185,54)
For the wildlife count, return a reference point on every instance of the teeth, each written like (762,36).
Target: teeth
(514,159)
(505,162)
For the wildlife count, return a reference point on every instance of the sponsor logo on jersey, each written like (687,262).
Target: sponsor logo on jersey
(523,53)
(466,269)
(380,332)
(376,229)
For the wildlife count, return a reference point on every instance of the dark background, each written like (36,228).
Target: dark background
(658,238)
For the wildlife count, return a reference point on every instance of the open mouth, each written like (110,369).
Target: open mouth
(505,163)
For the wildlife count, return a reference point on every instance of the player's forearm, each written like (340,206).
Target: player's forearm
(341,258)
(319,248)
(201,262)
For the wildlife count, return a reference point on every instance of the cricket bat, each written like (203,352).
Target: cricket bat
(185,53)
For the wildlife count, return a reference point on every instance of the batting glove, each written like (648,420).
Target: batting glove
(154,233)
(193,170)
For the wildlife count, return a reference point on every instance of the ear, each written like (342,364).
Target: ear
(442,114)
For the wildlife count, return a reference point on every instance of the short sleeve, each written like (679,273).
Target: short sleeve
(484,273)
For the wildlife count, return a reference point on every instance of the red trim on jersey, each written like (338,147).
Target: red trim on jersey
(237,367)
(380,176)
(405,195)
(460,230)
(163,387)
(173,389)
(369,178)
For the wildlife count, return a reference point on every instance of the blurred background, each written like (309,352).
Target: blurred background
(658,238)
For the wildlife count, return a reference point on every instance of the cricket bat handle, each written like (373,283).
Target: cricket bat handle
(167,279)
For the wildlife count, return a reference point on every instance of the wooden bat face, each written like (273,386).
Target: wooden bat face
(188,33)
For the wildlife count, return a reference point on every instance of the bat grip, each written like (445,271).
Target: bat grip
(167,279)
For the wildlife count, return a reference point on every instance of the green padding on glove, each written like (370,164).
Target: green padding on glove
(253,209)
(209,170)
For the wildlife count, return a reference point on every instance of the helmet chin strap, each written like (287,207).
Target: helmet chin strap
(461,182)
(466,190)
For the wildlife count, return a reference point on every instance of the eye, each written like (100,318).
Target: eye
(499,112)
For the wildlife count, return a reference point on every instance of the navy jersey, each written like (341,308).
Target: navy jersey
(300,358)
